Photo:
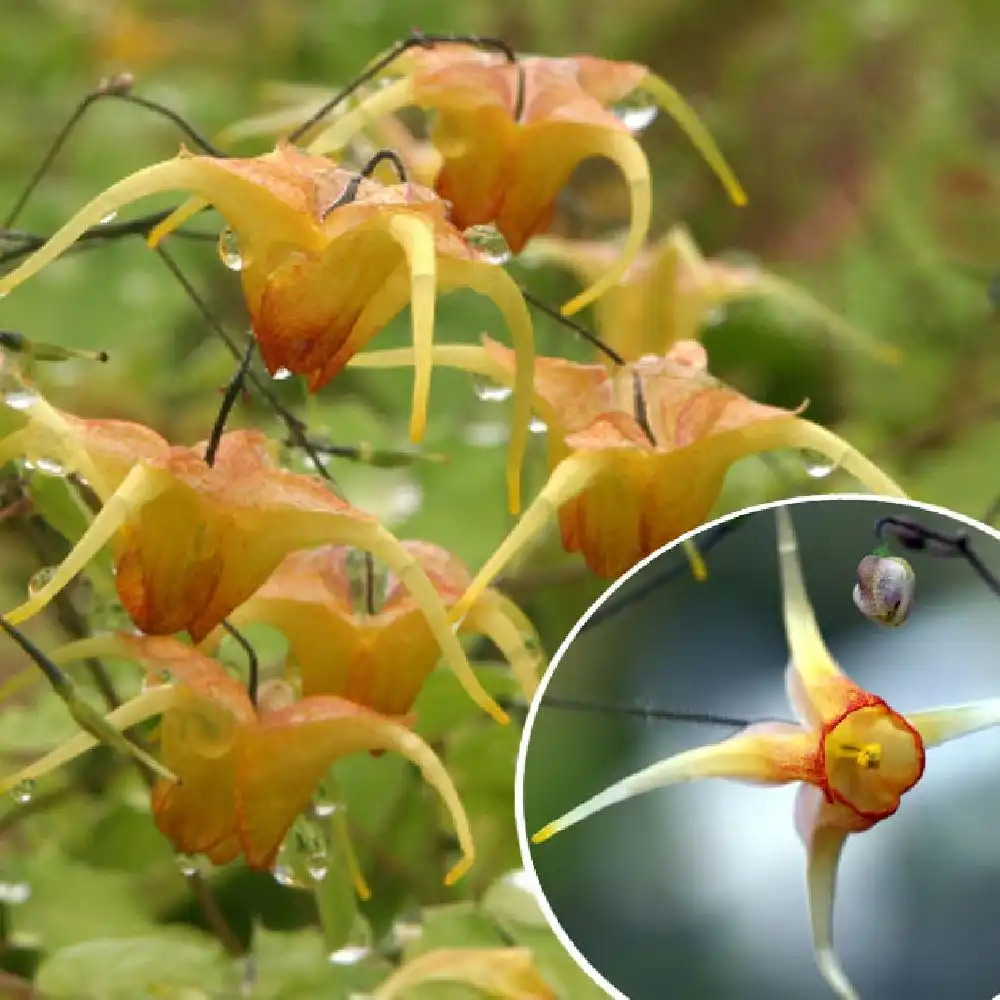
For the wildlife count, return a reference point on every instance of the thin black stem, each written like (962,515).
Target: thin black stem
(59,681)
(119,90)
(639,405)
(97,235)
(414,40)
(588,335)
(916,537)
(350,192)
(636,711)
(369,583)
(296,428)
(253,664)
(228,402)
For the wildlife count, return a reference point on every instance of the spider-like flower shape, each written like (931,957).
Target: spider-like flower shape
(637,455)
(379,658)
(672,290)
(327,259)
(511,133)
(244,772)
(854,755)
(194,541)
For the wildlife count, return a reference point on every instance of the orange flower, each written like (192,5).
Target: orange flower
(855,756)
(193,542)
(320,281)
(626,482)
(382,659)
(244,774)
(671,291)
(510,135)
(508,973)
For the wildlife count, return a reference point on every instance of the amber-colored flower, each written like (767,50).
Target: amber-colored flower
(378,659)
(320,281)
(510,135)
(244,773)
(855,756)
(192,541)
(625,482)
(671,292)
(508,973)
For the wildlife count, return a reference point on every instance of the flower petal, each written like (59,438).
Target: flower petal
(939,725)
(569,478)
(508,628)
(824,829)
(289,752)
(770,753)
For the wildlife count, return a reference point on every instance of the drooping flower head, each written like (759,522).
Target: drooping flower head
(193,541)
(638,455)
(854,755)
(672,291)
(511,133)
(381,657)
(244,772)
(327,258)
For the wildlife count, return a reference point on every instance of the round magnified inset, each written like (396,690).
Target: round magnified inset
(838,670)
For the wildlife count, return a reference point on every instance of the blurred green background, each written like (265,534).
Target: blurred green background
(866,136)
(699,890)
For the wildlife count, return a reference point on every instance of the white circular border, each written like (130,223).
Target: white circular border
(522,753)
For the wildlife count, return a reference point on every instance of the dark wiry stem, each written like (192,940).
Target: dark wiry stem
(228,402)
(917,537)
(639,406)
(119,89)
(296,428)
(350,191)
(253,664)
(588,335)
(637,711)
(416,39)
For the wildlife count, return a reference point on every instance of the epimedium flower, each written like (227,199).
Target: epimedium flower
(244,772)
(380,657)
(508,973)
(192,541)
(854,755)
(671,292)
(327,258)
(511,133)
(637,455)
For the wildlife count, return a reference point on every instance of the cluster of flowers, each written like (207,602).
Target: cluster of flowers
(209,537)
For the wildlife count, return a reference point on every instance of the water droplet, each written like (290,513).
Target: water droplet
(39,579)
(20,398)
(24,791)
(229,250)
(281,374)
(14,893)
(537,426)
(488,434)
(817,466)
(318,864)
(110,217)
(488,391)
(637,111)
(489,242)
(46,466)
(324,806)
(350,954)
(187,864)
(405,931)
(284,875)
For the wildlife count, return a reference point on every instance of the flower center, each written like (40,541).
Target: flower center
(872,755)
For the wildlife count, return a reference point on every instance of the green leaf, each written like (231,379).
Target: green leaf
(173,964)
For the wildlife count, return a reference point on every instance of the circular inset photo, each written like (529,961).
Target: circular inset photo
(712,759)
